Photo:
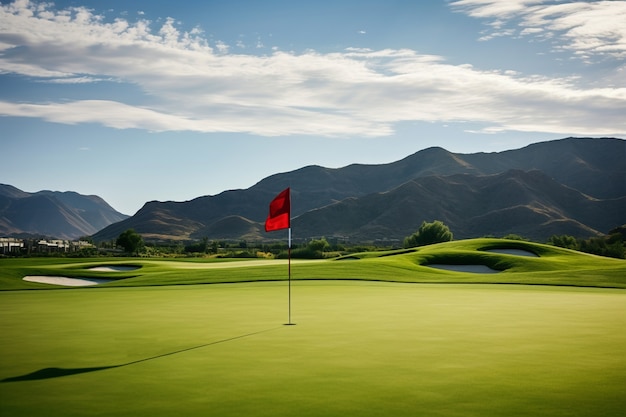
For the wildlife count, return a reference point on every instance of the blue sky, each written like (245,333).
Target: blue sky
(141,100)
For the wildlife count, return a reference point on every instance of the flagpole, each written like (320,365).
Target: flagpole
(289,263)
(279,218)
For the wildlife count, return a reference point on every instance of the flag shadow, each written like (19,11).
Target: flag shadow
(48,373)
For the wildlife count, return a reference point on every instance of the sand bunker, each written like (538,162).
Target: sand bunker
(516,252)
(476,269)
(114,268)
(70,282)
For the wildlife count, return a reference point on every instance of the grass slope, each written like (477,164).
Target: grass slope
(554,266)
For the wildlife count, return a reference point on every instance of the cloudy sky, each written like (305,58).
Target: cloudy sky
(141,100)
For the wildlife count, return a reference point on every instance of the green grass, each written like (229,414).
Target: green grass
(142,346)
(358,348)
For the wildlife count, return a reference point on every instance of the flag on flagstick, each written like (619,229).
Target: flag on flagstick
(278,219)
(280,212)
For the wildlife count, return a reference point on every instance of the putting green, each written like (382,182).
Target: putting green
(359,348)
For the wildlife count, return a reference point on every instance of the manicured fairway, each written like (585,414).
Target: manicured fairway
(359,348)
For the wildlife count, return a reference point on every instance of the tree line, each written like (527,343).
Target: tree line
(132,243)
(612,245)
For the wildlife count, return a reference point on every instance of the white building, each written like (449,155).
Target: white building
(10,245)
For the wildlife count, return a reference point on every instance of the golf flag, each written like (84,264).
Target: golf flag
(280,218)
(280,212)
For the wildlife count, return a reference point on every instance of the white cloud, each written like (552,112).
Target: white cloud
(494,8)
(531,31)
(222,47)
(74,80)
(587,28)
(356,92)
(499,34)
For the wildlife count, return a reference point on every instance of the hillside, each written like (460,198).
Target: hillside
(528,203)
(65,215)
(571,186)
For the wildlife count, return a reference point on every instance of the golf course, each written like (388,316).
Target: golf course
(478,327)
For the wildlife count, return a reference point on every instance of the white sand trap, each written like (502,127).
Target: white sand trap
(113,268)
(516,252)
(476,269)
(70,282)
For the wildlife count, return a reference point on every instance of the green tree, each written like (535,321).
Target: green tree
(514,236)
(601,246)
(214,247)
(564,241)
(198,247)
(131,241)
(429,233)
(318,245)
(618,234)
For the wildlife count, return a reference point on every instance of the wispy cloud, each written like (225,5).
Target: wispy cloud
(587,28)
(193,85)
(222,47)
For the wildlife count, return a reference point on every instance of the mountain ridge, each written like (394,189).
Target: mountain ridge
(65,215)
(520,202)
(593,168)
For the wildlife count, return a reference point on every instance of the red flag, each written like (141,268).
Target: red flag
(280,212)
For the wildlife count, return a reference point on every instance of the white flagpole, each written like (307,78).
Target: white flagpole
(289,261)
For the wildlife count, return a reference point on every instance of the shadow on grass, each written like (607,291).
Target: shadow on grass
(48,373)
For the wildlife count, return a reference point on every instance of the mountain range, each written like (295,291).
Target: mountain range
(574,186)
(63,215)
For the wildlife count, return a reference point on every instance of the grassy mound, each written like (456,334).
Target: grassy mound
(552,266)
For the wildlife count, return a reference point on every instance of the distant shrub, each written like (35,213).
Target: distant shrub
(244,254)
(315,249)
(301,253)
(601,246)
(429,233)
(131,241)
(564,241)
(513,236)
(318,245)
(611,245)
